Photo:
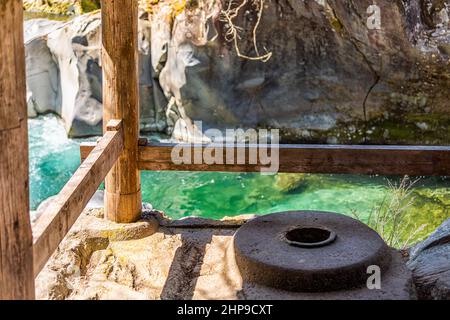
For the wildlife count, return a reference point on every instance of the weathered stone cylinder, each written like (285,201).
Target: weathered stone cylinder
(309,251)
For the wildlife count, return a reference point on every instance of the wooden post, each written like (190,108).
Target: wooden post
(16,244)
(121,101)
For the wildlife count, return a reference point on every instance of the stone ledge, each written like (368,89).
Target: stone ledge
(177,260)
(198,222)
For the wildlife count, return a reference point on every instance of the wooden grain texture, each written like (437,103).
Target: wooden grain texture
(113,125)
(384,160)
(16,259)
(53,225)
(121,101)
(86,148)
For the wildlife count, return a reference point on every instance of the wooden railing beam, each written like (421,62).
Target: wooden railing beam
(53,225)
(384,160)
(339,159)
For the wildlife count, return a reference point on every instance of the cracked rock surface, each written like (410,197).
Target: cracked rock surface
(330,79)
(182,259)
(103,260)
(430,265)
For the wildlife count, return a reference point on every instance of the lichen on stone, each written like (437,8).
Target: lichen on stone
(62,7)
(176,6)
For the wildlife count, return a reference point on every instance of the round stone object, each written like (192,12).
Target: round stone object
(309,251)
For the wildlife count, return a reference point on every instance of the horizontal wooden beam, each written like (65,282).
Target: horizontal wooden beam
(293,158)
(53,225)
(384,160)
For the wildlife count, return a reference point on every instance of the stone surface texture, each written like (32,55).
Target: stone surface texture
(430,265)
(330,79)
(102,260)
(64,74)
(264,255)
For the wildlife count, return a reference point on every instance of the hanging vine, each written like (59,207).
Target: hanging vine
(228,15)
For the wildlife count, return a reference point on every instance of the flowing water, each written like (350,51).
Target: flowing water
(54,158)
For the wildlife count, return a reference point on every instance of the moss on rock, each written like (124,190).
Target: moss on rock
(287,182)
(61,7)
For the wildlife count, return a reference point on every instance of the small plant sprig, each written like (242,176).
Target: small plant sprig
(390,217)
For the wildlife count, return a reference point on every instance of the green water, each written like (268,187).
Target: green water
(217,195)
(54,158)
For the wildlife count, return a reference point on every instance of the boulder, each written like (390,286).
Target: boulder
(43,82)
(96,202)
(430,265)
(64,74)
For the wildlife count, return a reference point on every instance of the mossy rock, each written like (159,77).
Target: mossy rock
(288,182)
(89,5)
(62,7)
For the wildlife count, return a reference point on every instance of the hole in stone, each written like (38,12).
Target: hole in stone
(309,237)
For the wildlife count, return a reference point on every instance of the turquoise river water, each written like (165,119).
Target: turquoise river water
(54,158)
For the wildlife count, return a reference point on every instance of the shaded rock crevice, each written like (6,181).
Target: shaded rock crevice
(366,59)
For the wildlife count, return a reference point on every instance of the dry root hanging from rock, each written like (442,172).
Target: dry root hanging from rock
(228,16)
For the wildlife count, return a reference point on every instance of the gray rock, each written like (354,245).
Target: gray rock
(96,202)
(76,50)
(430,265)
(64,74)
(41,208)
(328,72)
(43,82)
(153,102)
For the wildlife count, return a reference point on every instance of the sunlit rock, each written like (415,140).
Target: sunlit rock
(329,73)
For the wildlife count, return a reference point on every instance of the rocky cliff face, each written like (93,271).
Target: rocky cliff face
(64,73)
(332,76)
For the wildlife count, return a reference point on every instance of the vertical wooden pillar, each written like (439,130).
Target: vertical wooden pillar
(121,101)
(16,244)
